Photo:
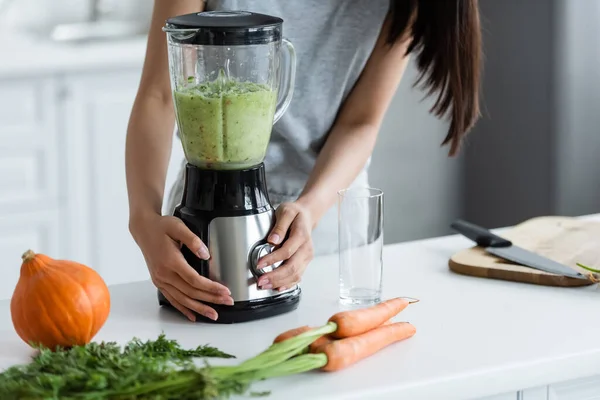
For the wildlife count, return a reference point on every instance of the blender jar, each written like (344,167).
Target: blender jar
(226,68)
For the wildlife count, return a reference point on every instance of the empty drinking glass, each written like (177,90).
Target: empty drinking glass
(360,227)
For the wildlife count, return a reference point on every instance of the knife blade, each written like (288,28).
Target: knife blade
(505,249)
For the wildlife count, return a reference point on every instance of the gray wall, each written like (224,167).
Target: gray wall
(509,161)
(421,184)
(577,104)
(536,150)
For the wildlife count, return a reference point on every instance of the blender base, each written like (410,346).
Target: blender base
(245,311)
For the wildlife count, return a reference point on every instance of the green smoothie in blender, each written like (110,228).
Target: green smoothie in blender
(225,124)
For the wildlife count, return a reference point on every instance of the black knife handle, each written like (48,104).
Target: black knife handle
(479,235)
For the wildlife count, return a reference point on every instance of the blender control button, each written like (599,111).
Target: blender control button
(259,252)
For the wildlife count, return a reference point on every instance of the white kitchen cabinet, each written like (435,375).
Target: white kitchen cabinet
(96,114)
(505,396)
(19,232)
(62,171)
(28,145)
(538,393)
(30,207)
(581,389)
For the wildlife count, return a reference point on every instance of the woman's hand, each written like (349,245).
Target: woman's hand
(294,222)
(160,239)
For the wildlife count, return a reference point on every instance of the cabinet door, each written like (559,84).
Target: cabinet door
(29,174)
(19,232)
(97,113)
(505,396)
(538,393)
(581,389)
(28,145)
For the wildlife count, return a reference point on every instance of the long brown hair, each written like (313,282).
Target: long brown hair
(446,36)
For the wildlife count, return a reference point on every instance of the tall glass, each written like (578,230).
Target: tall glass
(360,224)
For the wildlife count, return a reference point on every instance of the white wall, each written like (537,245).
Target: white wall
(42,15)
(421,184)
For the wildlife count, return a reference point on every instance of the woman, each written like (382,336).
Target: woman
(351,57)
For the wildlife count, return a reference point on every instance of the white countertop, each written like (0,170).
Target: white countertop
(25,55)
(475,337)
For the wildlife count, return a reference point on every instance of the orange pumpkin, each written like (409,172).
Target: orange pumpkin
(58,302)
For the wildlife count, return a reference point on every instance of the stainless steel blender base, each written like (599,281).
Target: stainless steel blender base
(235,245)
(231,213)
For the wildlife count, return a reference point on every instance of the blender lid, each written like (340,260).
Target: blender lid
(224,28)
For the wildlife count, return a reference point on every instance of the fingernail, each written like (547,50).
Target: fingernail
(203,253)
(281,289)
(263,282)
(228,301)
(274,238)
(192,318)
(212,316)
(261,265)
(267,286)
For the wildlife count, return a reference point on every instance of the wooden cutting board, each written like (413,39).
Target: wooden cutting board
(563,239)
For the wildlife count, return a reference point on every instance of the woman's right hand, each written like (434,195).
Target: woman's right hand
(160,239)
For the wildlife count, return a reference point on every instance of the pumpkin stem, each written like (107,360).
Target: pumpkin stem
(28,256)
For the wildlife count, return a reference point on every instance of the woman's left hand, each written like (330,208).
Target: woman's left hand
(296,252)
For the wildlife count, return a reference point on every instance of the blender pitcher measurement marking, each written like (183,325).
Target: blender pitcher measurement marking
(225,77)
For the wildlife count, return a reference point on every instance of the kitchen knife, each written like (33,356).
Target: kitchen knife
(504,248)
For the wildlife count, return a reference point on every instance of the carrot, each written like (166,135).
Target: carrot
(324,340)
(314,346)
(345,352)
(355,322)
(291,333)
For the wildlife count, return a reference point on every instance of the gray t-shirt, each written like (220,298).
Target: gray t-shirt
(333,40)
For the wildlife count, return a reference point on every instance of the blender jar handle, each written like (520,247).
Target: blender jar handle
(290,79)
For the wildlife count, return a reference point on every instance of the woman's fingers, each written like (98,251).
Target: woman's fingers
(295,252)
(296,239)
(181,285)
(198,294)
(284,217)
(290,272)
(185,311)
(194,279)
(191,304)
(184,296)
(179,232)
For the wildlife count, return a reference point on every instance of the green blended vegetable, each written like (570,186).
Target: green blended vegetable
(153,370)
(225,123)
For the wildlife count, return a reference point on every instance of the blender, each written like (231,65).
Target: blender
(227,69)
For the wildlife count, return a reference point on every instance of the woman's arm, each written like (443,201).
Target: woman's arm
(446,38)
(148,149)
(346,151)
(352,138)
(150,131)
